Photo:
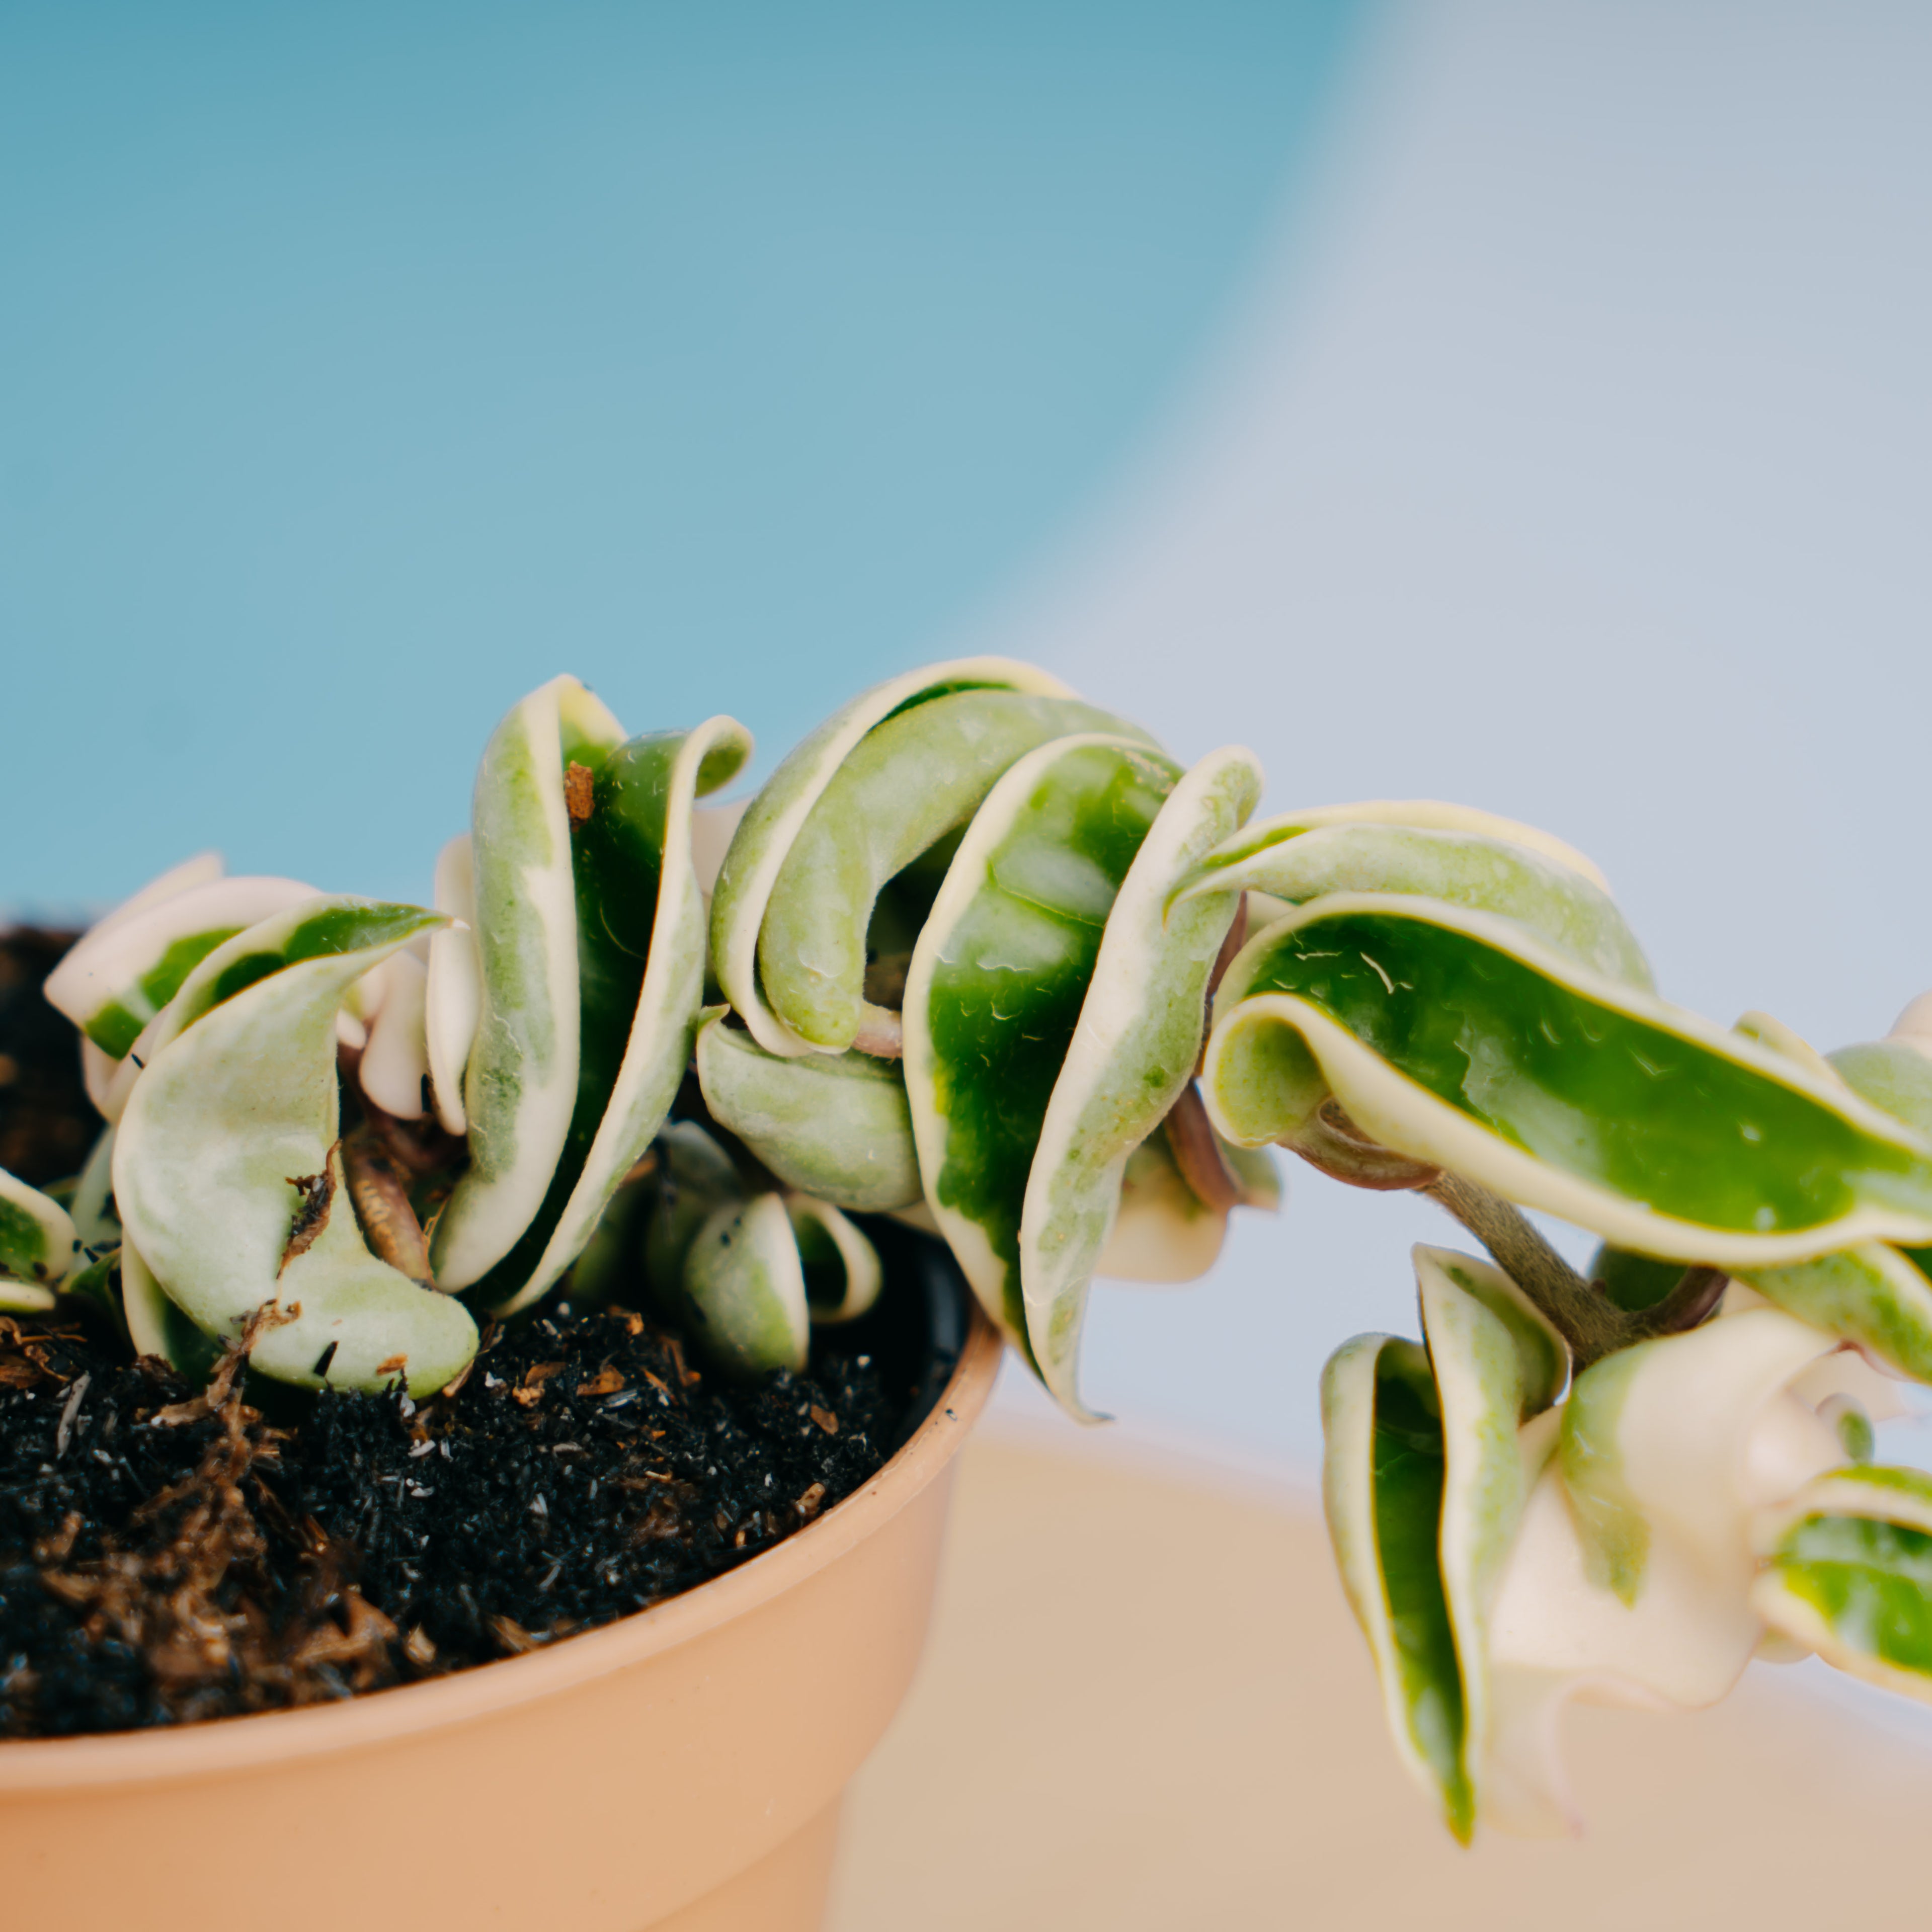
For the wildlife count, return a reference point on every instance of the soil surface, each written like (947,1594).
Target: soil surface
(170,1551)
(167,1554)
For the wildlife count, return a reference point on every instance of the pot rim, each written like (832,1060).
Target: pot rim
(221,1744)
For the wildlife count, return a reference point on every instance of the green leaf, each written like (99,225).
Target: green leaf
(1850,1574)
(95,1224)
(38,1245)
(239,1105)
(640,937)
(1130,1055)
(520,1092)
(773,821)
(1383,1479)
(157,1327)
(1541,1359)
(998,981)
(744,1287)
(1297,859)
(100,1282)
(1454,1038)
(842,1273)
(696,1178)
(909,783)
(1895,1077)
(1870,1295)
(837,1128)
(1633,1282)
(118,976)
(1424,1483)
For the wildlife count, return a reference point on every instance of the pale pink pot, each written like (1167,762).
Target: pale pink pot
(683,1768)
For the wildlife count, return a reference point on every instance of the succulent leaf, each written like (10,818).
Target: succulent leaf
(1295,860)
(697,1177)
(520,1091)
(1871,1294)
(1895,1076)
(157,1327)
(996,983)
(1849,1574)
(1163,1231)
(1454,1038)
(38,1245)
(453,992)
(395,1063)
(744,1283)
(837,1128)
(772,822)
(842,1273)
(913,779)
(119,975)
(1130,1055)
(1424,1484)
(227,1172)
(640,937)
(1383,1474)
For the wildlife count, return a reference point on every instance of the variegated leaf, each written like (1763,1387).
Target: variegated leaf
(117,976)
(227,1172)
(641,939)
(842,1273)
(1453,1037)
(1302,856)
(997,980)
(1849,1574)
(910,781)
(744,1285)
(38,1245)
(1131,1054)
(837,1128)
(772,822)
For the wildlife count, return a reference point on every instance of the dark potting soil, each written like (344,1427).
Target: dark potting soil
(167,1554)
(47,1123)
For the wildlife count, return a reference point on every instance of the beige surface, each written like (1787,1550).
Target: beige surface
(1144,1706)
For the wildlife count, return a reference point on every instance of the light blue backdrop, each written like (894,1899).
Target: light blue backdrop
(362,366)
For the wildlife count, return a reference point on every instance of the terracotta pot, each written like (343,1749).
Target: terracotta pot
(683,1768)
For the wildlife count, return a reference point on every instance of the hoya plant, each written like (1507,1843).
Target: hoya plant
(985,958)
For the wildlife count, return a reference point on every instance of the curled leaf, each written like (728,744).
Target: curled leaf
(914,778)
(773,820)
(453,991)
(745,1286)
(842,1274)
(997,980)
(238,1105)
(38,1246)
(1849,1574)
(1130,1056)
(1454,1038)
(837,1128)
(1303,856)
(520,1087)
(118,976)
(640,937)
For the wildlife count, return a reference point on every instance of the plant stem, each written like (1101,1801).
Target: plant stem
(1593,1327)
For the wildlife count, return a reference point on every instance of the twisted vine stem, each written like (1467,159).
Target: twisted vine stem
(1592,1324)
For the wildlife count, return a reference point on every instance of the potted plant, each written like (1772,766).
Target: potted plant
(976,959)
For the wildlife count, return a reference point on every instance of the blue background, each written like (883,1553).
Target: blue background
(362,366)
